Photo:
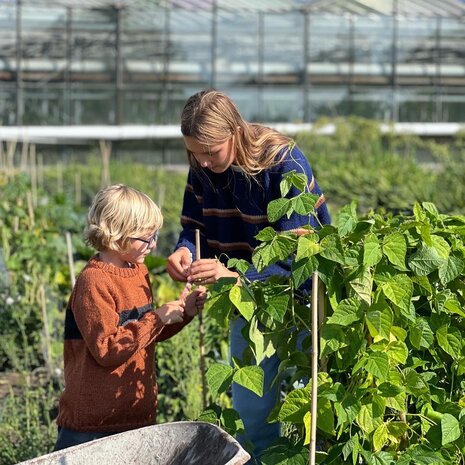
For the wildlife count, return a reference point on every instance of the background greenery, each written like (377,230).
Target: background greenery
(378,171)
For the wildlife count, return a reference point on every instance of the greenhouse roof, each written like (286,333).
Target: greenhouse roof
(422,8)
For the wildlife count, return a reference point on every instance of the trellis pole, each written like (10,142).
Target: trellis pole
(201,332)
(313,406)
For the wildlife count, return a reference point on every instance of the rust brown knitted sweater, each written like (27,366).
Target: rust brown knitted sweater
(110,335)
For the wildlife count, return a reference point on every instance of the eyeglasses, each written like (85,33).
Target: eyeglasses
(150,241)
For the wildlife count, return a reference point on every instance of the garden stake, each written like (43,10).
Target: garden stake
(201,332)
(69,247)
(313,406)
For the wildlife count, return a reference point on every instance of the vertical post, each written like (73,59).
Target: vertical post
(19,67)
(305,71)
(201,332)
(313,406)
(395,34)
(48,345)
(119,90)
(214,35)
(69,248)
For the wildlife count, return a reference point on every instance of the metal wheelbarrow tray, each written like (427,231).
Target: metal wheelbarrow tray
(177,443)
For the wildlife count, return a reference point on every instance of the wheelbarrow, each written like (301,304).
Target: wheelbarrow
(177,443)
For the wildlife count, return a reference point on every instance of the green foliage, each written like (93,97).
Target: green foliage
(26,423)
(392,343)
(382,170)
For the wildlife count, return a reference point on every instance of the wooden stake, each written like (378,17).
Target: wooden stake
(30,208)
(69,248)
(48,349)
(77,188)
(201,333)
(313,405)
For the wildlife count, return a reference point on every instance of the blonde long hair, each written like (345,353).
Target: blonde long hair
(211,117)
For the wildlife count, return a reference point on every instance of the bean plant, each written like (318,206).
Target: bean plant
(392,344)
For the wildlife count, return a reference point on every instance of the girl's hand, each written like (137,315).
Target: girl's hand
(195,301)
(208,271)
(171,312)
(179,263)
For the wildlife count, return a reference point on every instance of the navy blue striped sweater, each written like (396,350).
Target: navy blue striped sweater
(230,209)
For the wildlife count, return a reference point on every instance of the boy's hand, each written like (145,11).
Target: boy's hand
(195,300)
(171,312)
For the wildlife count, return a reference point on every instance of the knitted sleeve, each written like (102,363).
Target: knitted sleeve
(95,310)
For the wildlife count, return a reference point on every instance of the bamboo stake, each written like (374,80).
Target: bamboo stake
(321,317)
(30,208)
(313,406)
(48,350)
(33,168)
(201,332)
(77,188)
(59,178)
(105,151)
(69,248)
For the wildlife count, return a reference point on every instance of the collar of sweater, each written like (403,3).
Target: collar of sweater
(96,263)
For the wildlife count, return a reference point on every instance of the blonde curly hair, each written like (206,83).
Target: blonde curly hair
(117,213)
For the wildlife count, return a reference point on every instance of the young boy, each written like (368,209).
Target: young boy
(111,326)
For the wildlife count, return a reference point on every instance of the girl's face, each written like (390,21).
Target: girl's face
(217,158)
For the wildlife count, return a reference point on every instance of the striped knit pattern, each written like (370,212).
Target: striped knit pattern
(110,334)
(230,210)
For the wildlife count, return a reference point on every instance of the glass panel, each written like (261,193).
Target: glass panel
(190,47)
(283,48)
(282,104)
(237,49)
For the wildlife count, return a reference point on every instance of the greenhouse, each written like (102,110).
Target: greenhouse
(135,61)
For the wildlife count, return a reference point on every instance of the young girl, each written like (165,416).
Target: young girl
(235,172)
(111,326)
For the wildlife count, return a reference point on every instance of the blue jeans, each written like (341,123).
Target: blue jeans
(68,437)
(254,409)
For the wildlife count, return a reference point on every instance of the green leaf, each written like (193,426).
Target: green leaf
(268,253)
(372,252)
(450,340)
(219,378)
(332,339)
(276,307)
(304,203)
(295,405)
(378,365)
(242,300)
(424,260)
(395,249)
(399,290)
(266,234)
(250,377)
(219,307)
(441,246)
(302,270)
(380,437)
(450,429)
(331,248)
(450,269)
(277,209)
(347,219)
(307,246)
(231,421)
(362,285)
(379,319)
(347,312)
(421,336)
